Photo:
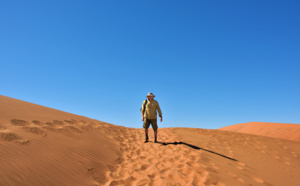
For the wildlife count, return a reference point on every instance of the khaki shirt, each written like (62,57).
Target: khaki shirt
(150,109)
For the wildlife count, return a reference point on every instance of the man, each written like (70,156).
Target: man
(149,115)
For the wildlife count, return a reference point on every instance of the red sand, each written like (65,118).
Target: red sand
(276,130)
(43,146)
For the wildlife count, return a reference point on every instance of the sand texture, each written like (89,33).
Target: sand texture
(67,149)
(277,130)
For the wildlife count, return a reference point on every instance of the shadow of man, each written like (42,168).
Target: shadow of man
(195,147)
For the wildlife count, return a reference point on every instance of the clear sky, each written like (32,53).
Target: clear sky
(210,63)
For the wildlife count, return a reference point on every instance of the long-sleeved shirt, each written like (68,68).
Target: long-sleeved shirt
(151,109)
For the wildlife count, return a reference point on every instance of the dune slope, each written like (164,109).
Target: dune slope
(44,146)
(276,130)
(205,157)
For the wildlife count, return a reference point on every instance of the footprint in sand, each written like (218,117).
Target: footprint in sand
(72,121)
(18,122)
(9,136)
(236,177)
(294,154)
(36,122)
(277,157)
(287,163)
(240,165)
(35,130)
(258,180)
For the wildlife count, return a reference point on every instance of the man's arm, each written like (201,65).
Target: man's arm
(159,112)
(142,110)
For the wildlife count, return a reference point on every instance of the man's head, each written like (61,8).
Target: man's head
(150,96)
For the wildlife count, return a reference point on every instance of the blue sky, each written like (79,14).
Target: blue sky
(209,63)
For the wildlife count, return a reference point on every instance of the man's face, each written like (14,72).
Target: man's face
(150,97)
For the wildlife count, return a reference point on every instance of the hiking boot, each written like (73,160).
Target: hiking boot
(146,139)
(155,141)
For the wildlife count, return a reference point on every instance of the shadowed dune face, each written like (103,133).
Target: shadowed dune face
(276,130)
(67,149)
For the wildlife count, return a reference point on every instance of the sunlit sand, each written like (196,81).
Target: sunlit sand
(44,146)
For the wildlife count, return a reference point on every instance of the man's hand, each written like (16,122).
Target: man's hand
(142,118)
(160,118)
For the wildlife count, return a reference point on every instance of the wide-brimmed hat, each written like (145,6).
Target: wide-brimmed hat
(150,94)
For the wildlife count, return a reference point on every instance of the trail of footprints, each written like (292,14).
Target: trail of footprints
(6,135)
(157,164)
(70,128)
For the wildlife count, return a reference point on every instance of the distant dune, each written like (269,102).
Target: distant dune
(44,146)
(276,130)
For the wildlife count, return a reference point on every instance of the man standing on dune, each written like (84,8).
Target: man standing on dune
(149,110)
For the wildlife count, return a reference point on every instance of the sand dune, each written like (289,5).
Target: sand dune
(276,130)
(44,146)
(66,149)
(205,157)
(16,109)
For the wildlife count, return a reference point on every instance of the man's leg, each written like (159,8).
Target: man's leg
(146,134)
(146,126)
(154,126)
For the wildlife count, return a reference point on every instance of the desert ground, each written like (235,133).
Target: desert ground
(44,146)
